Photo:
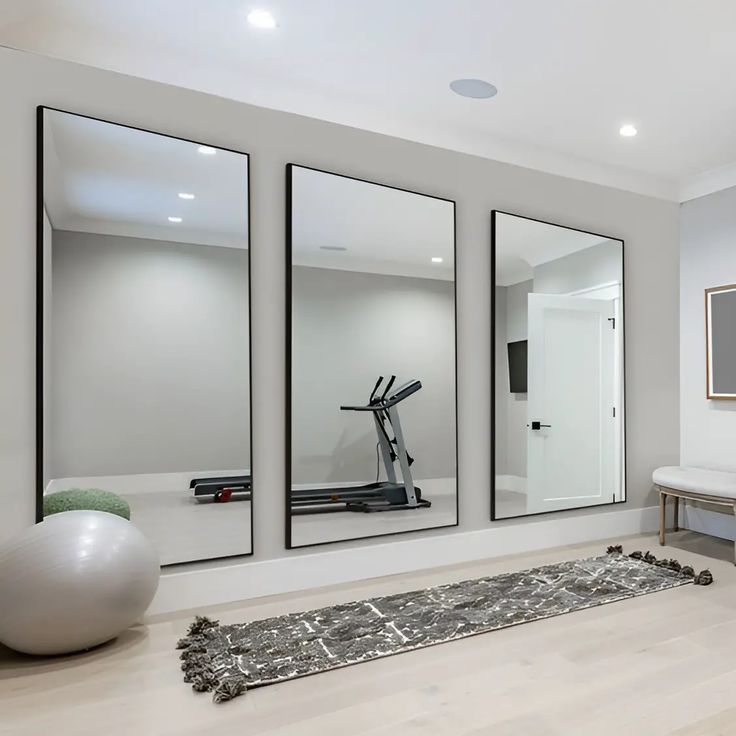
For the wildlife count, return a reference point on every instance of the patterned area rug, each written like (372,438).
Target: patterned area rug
(229,659)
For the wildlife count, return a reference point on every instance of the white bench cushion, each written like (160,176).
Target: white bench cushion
(719,483)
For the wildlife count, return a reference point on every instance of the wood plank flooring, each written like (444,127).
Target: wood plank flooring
(659,664)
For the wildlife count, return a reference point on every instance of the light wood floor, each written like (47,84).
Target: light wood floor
(659,664)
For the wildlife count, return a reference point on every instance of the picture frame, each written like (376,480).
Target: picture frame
(720,342)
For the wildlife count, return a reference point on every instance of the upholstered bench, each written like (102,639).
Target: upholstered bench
(694,484)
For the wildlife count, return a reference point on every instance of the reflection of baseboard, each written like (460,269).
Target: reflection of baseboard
(139,482)
(305,569)
(512,483)
(708,522)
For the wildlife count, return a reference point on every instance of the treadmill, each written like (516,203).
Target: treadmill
(389,495)
(222,489)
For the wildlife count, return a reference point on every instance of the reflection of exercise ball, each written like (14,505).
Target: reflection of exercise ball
(73,581)
(85,499)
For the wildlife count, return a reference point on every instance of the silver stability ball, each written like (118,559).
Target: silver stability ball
(76,580)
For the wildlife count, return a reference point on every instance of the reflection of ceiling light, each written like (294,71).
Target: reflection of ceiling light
(437,259)
(261,19)
(174,219)
(185,195)
(628,131)
(207,150)
(339,248)
(475,88)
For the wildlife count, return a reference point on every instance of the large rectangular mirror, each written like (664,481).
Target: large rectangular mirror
(143,350)
(558,361)
(371,439)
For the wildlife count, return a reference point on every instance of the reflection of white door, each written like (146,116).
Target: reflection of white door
(571,382)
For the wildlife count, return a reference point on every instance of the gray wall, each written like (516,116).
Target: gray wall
(599,264)
(708,246)
(517,310)
(150,368)
(349,328)
(150,356)
(649,227)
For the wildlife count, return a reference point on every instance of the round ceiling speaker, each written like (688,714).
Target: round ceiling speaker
(475,88)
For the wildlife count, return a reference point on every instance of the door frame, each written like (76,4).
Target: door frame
(623,484)
(620,482)
(541,494)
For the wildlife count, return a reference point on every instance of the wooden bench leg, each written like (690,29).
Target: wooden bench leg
(662,510)
(677,513)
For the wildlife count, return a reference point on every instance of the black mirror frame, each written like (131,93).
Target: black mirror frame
(40,398)
(494,213)
(288,366)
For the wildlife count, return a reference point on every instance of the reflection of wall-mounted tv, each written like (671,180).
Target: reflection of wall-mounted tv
(517,366)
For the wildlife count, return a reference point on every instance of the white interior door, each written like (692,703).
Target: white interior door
(571,448)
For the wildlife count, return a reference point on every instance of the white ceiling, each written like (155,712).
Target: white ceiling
(522,244)
(383,230)
(109,179)
(569,72)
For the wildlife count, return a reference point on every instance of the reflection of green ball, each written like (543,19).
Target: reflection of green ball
(85,499)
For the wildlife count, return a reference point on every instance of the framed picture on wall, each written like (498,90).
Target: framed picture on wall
(720,335)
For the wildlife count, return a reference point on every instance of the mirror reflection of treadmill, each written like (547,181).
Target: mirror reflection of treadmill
(222,489)
(389,495)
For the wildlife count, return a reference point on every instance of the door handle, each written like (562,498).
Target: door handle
(539,425)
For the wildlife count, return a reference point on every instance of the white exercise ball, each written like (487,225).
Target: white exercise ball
(74,581)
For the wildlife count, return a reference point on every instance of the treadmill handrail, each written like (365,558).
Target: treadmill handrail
(401,393)
(390,383)
(372,397)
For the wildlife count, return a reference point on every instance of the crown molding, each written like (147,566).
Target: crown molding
(708,182)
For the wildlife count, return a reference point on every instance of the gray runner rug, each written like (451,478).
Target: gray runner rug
(229,659)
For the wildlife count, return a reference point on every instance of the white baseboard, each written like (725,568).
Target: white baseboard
(708,522)
(188,589)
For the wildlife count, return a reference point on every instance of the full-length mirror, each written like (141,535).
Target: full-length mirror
(143,351)
(371,439)
(558,361)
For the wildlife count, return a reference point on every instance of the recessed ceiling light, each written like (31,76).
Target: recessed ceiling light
(207,150)
(437,259)
(475,88)
(628,131)
(261,19)
(174,219)
(338,248)
(185,195)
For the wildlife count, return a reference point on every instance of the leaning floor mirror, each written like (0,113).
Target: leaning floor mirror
(371,438)
(143,333)
(558,361)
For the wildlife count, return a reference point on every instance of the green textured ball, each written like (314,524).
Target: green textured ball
(85,499)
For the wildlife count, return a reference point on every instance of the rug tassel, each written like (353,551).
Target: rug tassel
(201,624)
(705,577)
(195,659)
(228,689)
